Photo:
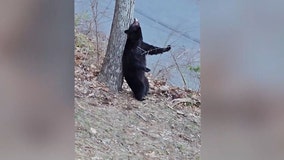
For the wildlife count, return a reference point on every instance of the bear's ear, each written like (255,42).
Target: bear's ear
(126,31)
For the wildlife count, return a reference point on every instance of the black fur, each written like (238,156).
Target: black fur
(134,60)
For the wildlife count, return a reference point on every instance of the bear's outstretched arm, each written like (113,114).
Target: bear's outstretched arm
(152,50)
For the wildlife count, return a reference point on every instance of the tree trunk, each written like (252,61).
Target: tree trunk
(111,72)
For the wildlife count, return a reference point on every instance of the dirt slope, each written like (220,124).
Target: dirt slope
(116,126)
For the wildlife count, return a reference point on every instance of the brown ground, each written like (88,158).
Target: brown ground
(116,126)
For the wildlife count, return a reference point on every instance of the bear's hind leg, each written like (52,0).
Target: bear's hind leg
(146,83)
(139,91)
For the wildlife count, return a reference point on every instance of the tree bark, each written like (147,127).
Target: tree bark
(111,72)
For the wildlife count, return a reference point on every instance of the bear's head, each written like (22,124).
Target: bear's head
(134,31)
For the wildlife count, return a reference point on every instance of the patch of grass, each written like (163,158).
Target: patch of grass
(83,41)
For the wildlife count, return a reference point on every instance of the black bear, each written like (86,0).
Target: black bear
(134,60)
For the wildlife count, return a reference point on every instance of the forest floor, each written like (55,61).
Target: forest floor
(116,126)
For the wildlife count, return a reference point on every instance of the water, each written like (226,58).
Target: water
(163,22)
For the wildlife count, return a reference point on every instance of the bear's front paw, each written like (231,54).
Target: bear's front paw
(147,69)
(168,48)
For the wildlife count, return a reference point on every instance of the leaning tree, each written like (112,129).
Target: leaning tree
(111,71)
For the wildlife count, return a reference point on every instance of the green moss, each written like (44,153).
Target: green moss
(194,68)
